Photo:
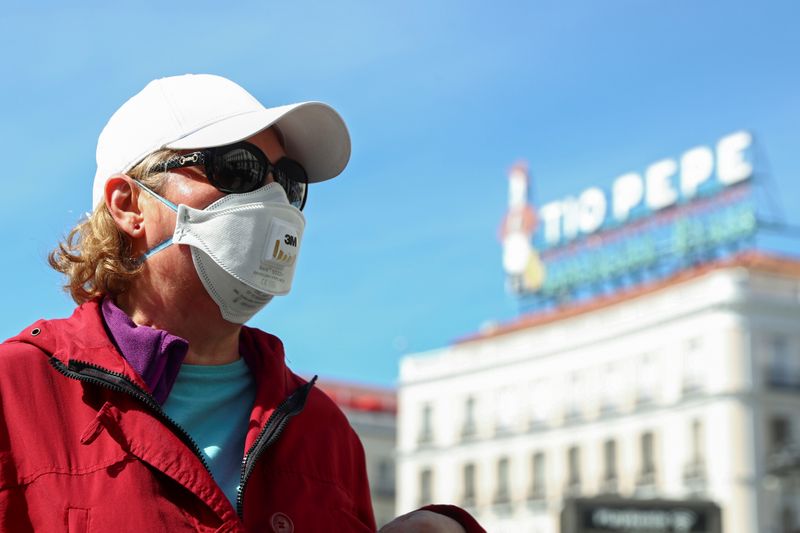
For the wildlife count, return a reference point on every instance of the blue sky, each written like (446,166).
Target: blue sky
(400,253)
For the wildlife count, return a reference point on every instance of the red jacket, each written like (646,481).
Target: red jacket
(83,447)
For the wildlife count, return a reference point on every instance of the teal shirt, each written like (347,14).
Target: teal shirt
(213,403)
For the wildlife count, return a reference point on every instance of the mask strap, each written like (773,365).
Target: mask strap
(157,248)
(165,243)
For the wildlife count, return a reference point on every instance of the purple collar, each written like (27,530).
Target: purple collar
(155,354)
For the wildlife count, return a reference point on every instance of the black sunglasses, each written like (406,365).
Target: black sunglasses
(242,167)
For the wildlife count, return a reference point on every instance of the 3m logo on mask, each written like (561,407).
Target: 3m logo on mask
(282,243)
(280,255)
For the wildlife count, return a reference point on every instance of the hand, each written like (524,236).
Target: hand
(422,522)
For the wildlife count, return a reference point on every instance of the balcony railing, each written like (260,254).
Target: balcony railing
(783,381)
(502,496)
(468,501)
(384,490)
(785,461)
(694,470)
(469,431)
(645,484)
(573,488)
(537,493)
(502,501)
(692,388)
(501,430)
(573,414)
(609,485)
(646,478)
(609,407)
(644,398)
(537,424)
(694,476)
(425,438)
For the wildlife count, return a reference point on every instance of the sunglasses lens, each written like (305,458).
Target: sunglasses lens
(242,167)
(294,180)
(238,170)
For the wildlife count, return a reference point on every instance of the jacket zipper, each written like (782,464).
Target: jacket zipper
(275,425)
(291,406)
(115,381)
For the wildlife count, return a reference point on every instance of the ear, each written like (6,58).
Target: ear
(122,201)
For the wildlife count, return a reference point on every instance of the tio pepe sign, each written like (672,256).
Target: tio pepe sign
(708,214)
(663,184)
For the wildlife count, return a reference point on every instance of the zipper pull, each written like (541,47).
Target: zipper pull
(95,427)
(92,431)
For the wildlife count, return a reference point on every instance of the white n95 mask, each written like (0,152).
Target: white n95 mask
(244,247)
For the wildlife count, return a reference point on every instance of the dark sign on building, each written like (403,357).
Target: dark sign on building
(618,515)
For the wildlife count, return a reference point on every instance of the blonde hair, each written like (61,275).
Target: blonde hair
(96,255)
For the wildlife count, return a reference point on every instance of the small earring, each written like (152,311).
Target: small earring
(136,226)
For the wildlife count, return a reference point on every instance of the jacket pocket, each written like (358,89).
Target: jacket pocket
(77,520)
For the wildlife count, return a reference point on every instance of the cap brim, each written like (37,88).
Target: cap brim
(314,134)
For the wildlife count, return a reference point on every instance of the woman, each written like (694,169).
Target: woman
(153,408)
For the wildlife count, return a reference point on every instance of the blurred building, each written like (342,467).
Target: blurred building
(372,413)
(685,387)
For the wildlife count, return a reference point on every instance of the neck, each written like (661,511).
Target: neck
(212,339)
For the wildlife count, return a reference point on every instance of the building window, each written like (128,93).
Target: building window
(647,380)
(694,367)
(783,366)
(698,438)
(468,430)
(505,407)
(468,499)
(788,519)
(610,456)
(576,394)
(611,388)
(425,486)
(538,490)
(541,404)
(694,472)
(426,425)
(780,433)
(573,471)
(503,493)
(385,483)
(647,458)
(609,484)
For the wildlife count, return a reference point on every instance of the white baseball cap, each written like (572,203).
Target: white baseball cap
(197,111)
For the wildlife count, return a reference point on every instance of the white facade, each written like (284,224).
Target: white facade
(377,431)
(372,413)
(673,391)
